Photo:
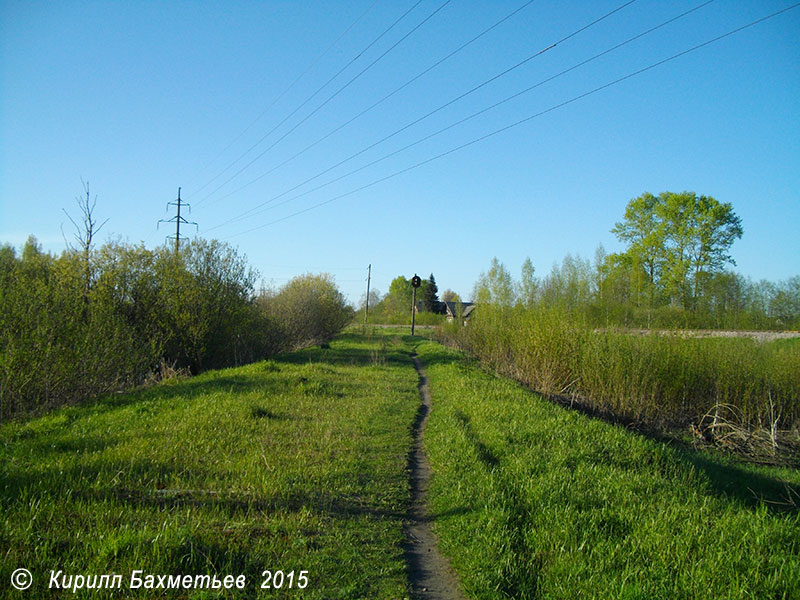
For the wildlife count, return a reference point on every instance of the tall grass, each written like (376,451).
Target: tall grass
(661,379)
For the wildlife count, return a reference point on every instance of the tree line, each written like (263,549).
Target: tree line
(91,321)
(673,273)
(559,334)
(395,306)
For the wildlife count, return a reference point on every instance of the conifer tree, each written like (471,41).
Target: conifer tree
(430,299)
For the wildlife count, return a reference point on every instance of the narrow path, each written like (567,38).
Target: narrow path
(429,572)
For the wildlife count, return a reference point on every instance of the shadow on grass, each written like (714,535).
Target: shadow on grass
(359,353)
(727,479)
(743,485)
(76,480)
(345,357)
(485,455)
(185,389)
(234,503)
(97,443)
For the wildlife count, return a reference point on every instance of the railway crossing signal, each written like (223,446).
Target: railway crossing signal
(415,283)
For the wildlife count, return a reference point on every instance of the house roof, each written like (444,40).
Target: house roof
(452,308)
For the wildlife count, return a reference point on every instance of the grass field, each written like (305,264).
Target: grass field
(296,464)
(533,500)
(299,465)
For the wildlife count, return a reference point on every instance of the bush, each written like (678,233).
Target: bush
(64,338)
(310,310)
(57,344)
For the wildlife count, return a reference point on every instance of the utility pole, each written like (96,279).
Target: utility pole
(178,219)
(366,309)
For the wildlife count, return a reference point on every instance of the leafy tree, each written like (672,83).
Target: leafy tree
(495,286)
(398,300)
(570,285)
(680,240)
(785,304)
(450,296)
(310,310)
(375,299)
(528,285)
(644,233)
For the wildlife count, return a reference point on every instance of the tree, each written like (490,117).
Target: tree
(84,235)
(528,285)
(568,286)
(495,286)
(310,310)
(680,240)
(785,304)
(450,296)
(430,297)
(398,300)
(644,233)
(374,300)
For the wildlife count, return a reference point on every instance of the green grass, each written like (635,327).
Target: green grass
(532,500)
(297,463)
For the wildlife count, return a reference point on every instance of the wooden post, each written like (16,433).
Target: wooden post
(415,283)
(366,308)
(413,309)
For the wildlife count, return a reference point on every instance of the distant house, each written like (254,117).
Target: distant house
(451,309)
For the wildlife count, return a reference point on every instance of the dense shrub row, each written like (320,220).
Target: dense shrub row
(70,329)
(666,379)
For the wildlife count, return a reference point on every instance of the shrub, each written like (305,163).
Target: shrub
(56,344)
(310,310)
(69,331)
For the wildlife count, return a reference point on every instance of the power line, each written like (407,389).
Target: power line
(325,102)
(285,91)
(250,213)
(386,97)
(526,119)
(418,120)
(311,97)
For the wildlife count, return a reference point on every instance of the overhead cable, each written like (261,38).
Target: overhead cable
(420,119)
(284,92)
(325,102)
(522,121)
(383,99)
(307,100)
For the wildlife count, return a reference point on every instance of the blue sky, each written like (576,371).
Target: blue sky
(139,98)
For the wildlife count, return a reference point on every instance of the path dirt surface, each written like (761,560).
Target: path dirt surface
(429,572)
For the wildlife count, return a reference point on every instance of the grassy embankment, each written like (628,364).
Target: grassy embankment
(296,463)
(537,501)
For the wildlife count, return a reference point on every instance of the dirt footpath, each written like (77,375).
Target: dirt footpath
(429,572)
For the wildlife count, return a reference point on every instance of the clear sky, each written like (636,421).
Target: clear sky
(139,98)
